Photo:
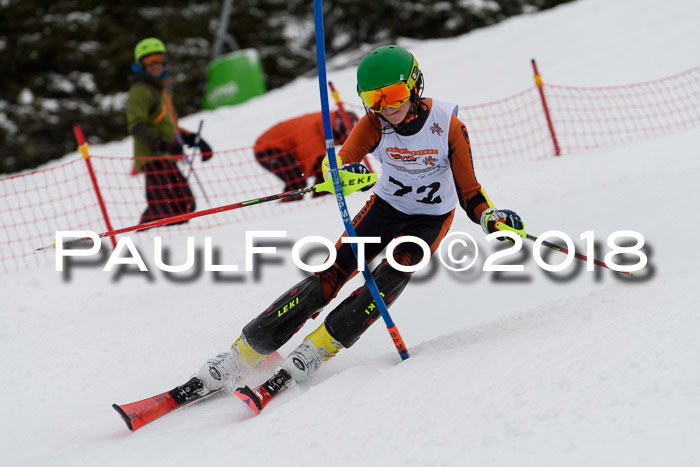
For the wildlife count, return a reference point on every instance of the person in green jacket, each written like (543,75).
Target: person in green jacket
(158,141)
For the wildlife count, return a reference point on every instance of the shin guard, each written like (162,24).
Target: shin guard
(276,325)
(355,314)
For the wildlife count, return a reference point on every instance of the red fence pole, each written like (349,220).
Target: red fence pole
(347,121)
(83,148)
(538,82)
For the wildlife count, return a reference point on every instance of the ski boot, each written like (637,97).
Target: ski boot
(228,367)
(305,360)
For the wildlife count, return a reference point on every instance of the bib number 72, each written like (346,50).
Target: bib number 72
(431,189)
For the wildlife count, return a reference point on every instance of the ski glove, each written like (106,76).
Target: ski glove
(207,151)
(160,146)
(491,216)
(189,140)
(357,168)
(326,166)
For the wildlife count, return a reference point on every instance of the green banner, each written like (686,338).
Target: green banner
(233,78)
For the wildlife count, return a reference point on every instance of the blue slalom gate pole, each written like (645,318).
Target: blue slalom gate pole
(340,198)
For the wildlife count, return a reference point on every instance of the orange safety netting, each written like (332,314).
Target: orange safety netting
(35,205)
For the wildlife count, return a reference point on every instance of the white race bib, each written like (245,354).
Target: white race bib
(416,173)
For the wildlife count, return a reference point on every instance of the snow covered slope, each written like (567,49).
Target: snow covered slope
(578,368)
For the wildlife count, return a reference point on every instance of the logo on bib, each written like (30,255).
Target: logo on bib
(435,128)
(408,158)
(430,160)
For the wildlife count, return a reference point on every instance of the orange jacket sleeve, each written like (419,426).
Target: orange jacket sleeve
(362,140)
(469,191)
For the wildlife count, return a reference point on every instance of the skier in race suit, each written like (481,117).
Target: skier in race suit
(427,171)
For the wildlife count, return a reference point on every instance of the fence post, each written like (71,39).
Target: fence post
(347,121)
(83,148)
(538,82)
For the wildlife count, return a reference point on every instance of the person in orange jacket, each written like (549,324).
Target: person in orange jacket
(293,149)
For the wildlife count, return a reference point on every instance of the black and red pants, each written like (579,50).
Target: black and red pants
(167,191)
(346,323)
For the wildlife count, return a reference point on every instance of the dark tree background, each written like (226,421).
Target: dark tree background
(68,61)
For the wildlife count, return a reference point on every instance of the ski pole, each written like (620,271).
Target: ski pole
(188,216)
(500,225)
(335,177)
(351,183)
(347,121)
(189,162)
(197,137)
(196,145)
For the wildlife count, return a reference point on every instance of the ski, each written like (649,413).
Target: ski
(260,396)
(140,413)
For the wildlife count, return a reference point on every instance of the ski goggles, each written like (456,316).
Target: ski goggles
(153,59)
(394,96)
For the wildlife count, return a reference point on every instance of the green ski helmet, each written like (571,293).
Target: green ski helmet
(388,65)
(147,47)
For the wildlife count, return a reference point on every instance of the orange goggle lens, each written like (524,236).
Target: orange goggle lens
(153,60)
(394,95)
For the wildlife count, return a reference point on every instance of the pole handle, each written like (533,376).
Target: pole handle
(500,225)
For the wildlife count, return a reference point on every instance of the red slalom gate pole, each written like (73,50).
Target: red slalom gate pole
(538,82)
(83,148)
(347,121)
